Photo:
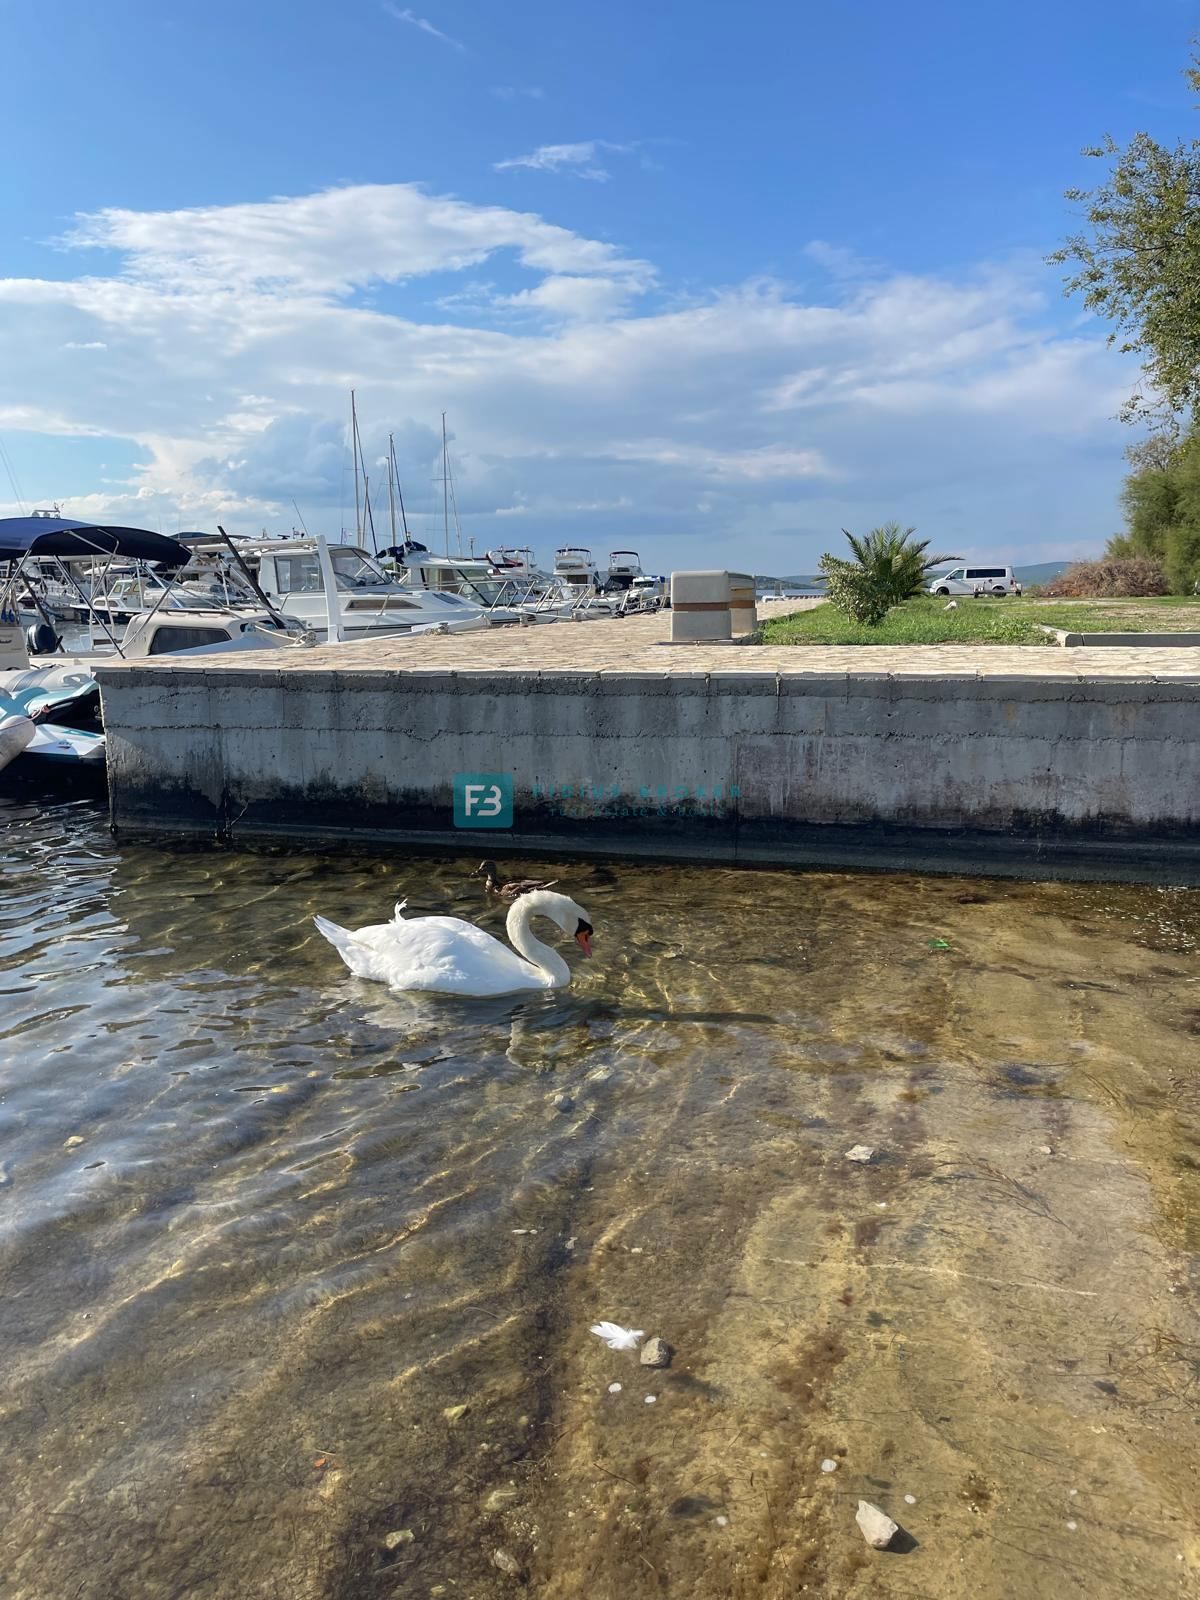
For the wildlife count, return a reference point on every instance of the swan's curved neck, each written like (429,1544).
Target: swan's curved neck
(540,955)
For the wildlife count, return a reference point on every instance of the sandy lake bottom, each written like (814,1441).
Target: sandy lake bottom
(296,1274)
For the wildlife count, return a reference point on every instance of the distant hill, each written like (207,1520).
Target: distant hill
(1035,572)
(1041,571)
(811,580)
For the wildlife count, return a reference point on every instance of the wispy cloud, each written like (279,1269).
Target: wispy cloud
(423,23)
(508,91)
(839,262)
(579,159)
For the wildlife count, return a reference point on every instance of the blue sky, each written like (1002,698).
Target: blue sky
(701,279)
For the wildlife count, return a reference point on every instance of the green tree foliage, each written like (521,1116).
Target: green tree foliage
(853,590)
(1161,499)
(1137,264)
(1150,500)
(888,567)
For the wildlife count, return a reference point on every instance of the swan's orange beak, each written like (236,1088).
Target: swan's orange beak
(584,940)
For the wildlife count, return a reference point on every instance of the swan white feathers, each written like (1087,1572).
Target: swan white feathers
(445,955)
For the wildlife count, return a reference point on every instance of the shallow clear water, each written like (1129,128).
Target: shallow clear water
(264,1229)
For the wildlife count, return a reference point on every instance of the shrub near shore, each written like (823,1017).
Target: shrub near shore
(1115,578)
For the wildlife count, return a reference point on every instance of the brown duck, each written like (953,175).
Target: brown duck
(514,888)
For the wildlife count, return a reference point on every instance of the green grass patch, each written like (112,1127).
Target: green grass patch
(926,621)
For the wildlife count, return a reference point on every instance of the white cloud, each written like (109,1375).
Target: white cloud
(839,262)
(578,159)
(561,295)
(751,466)
(760,414)
(330,242)
(423,23)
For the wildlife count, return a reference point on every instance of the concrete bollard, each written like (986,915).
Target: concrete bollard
(700,607)
(743,611)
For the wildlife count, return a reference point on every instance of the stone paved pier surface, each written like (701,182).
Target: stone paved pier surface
(601,737)
(640,644)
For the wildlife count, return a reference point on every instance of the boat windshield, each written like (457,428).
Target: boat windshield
(354,569)
(300,573)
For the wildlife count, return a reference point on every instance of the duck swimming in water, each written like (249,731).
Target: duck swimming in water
(493,884)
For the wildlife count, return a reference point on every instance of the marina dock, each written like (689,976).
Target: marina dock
(604,737)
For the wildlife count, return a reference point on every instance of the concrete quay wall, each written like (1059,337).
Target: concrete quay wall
(991,773)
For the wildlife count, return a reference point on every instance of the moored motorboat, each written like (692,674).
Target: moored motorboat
(76,746)
(16,732)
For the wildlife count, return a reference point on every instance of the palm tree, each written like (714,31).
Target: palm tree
(889,567)
(896,563)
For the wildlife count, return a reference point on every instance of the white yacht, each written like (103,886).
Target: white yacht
(575,569)
(514,562)
(623,567)
(340,591)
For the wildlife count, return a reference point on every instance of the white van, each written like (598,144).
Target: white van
(998,581)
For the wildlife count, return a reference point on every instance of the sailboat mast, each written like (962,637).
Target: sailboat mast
(399,487)
(354,448)
(391,487)
(445,487)
(370,515)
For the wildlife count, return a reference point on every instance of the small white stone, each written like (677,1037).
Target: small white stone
(829,1464)
(881,1205)
(723,1522)
(1074,1492)
(651,1399)
(1046,1149)
(614,1388)
(860,1152)
(1072,1526)
(910,1499)
(876,1526)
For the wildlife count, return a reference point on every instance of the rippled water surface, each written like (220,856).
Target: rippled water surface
(296,1275)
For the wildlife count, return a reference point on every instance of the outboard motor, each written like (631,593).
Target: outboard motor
(42,639)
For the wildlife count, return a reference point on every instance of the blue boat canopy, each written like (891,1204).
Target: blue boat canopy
(70,540)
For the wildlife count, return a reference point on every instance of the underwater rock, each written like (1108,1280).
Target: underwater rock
(655,1353)
(507,1564)
(499,1498)
(876,1526)
(402,1536)
(861,1152)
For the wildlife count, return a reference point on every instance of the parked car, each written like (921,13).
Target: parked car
(998,581)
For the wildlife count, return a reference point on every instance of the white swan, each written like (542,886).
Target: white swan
(445,955)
